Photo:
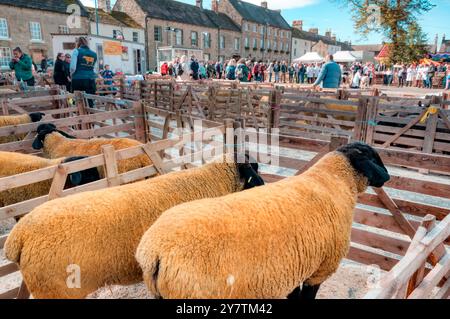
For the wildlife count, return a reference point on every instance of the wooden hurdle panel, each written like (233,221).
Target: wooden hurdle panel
(108,160)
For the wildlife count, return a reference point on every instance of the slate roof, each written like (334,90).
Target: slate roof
(115,18)
(186,13)
(310,36)
(258,14)
(59,6)
(368,47)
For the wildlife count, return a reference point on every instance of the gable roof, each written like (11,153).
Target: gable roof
(59,6)
(186,13)
(115,18)
(313,37)
(368,47)
(258,14)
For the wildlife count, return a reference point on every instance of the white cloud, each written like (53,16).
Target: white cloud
(285,4)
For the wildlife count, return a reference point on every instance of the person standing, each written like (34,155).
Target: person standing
(183,69)
(164,69)
(330,76)
(44,64)
(66,66)
(447,84)
(256,72)
(194,68)
(301,73)
(242,71)
(218,68)
(284,70)
(108,75)
(310,74)
(59,74)
(291,71)
(270,71)
(230,72)
(400,75)
(276,70)
(22,65)
(82,68)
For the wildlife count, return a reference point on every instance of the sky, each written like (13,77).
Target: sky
(329,14)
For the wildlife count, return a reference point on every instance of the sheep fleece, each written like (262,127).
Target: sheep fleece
(99,231)
(17,163)
(10,120)
(56,145)
(260,243)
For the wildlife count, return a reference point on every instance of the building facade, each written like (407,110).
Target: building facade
(266,35)
(174,29)
(117,39)
(28,24)
(445,45)
(311,41)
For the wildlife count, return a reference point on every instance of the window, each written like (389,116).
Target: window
(269,31)
(281,34)
(206,40)
(194,38)
(288,35)
(117,34)
(158,33)
(287,47)
(281,45)
(206,56)
(261,44)
(262,30)
(4,33)
(295,52)
(275,32)
(247,42)
(237,44)
(268,44)
(295,42)
(68,46)
(255,28)
(135,36)
(5,57)
(255,43)
(246,26)
(63,29)
(35,31)
(222,42)
(221,58)
(274,45)
(179,37)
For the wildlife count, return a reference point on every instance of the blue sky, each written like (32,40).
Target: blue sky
(327,14)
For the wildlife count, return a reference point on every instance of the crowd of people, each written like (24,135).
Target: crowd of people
(355,75)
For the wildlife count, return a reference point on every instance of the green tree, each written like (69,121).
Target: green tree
(396,19)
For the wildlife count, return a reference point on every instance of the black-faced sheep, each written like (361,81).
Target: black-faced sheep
(99,231)
(57,144)
(263,242)
(9,120)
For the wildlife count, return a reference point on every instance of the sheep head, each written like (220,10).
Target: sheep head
(366,161)
(83,177)
(249,173)
(36,117)
(43,130)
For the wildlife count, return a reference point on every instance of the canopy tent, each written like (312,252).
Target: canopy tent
(344,56)
(441,57)
(310,57)
(384,53)
(429,62)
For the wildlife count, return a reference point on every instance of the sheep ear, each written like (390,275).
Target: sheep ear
(37,144)
(376,174)
(75,178)
(251,178)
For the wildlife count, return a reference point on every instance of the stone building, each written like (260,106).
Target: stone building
(175,29)
(28,24)
(265,33)
(445,45)
(311,41)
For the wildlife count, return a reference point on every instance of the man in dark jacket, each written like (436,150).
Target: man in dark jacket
(22,66)
(194,68)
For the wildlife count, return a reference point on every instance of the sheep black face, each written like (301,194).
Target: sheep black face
(43,130)
(365,160)
(36,117)
(83,177)
(249,172)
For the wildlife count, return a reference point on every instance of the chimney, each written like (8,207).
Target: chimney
(215,5)
(314,30)
(105,5)
(333,37)
(298,24)
(264,4)
(199,3)
(328,34)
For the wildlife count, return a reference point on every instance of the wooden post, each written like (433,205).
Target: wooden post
(5,109)
(122,87)
(156,159)
(111,169)
(430,133)
(229,137)
(275,101)
(360,130)
(58,183)
(140,122)
(371,120)
(81,107)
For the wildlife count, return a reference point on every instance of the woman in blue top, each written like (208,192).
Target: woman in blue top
(82,68)
(230,71)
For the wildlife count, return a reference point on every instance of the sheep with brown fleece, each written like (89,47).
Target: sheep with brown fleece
(9,120)
(17,163)
(57,143)
(263,242)
(99,231)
